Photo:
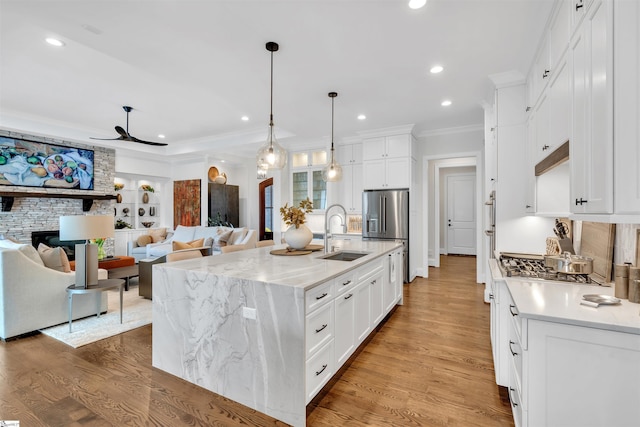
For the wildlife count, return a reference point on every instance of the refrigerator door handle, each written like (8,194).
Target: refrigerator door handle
(384,214)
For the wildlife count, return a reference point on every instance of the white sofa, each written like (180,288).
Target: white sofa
(34,297)
(187,234)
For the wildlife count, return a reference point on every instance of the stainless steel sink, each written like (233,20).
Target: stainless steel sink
(344,256)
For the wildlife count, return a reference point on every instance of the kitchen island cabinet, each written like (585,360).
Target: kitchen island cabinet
(565,363)
(268,331)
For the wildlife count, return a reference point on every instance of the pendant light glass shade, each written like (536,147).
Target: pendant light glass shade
(271,155)
(333,171)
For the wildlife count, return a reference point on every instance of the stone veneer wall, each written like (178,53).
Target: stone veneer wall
(41,213)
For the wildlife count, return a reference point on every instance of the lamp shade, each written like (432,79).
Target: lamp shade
(85,227)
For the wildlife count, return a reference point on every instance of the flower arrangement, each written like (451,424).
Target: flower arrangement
(292,215)
(100,242)
(147,187)
(120,224)
(118,186)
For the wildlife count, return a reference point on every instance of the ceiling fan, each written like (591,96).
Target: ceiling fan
(125,135)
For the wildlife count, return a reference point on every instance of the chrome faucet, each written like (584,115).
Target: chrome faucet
(327,221)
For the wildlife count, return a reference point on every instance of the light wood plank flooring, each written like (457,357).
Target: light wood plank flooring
(429,364)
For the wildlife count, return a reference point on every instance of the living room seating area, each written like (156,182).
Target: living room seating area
(33,289)
(159,242)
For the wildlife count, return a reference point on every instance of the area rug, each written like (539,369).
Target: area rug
(136,312)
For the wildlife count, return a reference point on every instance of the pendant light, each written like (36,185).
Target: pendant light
(333,171)
(271,155)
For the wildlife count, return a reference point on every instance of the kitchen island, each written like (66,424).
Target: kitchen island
(270,331)
(565,363)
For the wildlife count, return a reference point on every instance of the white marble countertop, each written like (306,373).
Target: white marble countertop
(560,302)
(302,271)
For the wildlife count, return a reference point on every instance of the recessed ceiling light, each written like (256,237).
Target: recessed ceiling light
(361,117)
(436,69)
(446,103)
(417,4)
(161,136)
(222,161)
(54,42)
(245,118)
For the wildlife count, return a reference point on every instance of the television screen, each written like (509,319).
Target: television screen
(39,164)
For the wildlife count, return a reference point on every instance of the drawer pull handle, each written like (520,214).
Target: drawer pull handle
(513,353)
(321,329)
(373,282)
(346,283)
(513,401)
(491,296)
(322,296)
(348,296)
(511,307)
(321,370)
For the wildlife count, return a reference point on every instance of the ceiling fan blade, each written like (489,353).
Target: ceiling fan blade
(159,144)
(108,139)
(122,132)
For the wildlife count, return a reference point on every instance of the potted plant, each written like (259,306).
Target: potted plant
(298,235)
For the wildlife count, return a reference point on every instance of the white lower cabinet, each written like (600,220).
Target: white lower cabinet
(345,306)
(319,370)
(342,312)
(571,376)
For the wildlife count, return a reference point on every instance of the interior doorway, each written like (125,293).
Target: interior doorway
(265,191)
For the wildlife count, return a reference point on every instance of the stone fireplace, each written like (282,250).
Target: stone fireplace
(40,213)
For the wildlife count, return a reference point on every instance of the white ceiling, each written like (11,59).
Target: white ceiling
(191,69)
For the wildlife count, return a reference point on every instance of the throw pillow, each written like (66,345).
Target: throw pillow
(188,245)
(158,234)
(54,258)
(145,239)
(237,235)
(222,236)
(27,250)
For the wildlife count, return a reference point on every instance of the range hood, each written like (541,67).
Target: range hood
(558,156)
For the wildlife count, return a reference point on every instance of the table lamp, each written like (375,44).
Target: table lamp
(86,227)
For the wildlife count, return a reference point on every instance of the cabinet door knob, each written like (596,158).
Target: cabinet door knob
(545,74)
(545,147)
(579,5)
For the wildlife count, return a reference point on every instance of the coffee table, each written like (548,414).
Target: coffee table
(103,285)
(124,273)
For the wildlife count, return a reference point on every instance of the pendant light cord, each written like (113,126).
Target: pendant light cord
(271,106)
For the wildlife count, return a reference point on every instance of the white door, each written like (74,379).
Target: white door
(461,214)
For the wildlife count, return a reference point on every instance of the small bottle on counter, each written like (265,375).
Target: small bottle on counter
(622,281)
(634,284)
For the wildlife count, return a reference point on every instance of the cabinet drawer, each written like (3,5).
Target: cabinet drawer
(515,350)
(344,283)
(319,369)
(318,329)
(369,270)
(516,405)
(515,317)
(318,296)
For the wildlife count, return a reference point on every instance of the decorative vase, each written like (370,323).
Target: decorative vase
(145,197)
(152,211)
(119,198)
(101,253)
(298,238)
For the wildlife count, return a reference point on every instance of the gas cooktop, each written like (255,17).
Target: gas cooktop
(532,267)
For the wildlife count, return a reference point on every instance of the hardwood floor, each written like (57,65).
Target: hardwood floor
(429,365)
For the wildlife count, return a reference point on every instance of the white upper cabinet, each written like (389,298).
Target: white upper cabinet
(387,162)
(350,188)
(626,120)
(559,107)
(591,147)
(559,32)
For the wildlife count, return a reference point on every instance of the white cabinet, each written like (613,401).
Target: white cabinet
(559,32)
(391,282)
(591,147)
(577,376)
(626,121)
(345,343)
(559,107)
(530,163)
(541,121)
(363,324)
(387,162)
(501,308)
(350,187)
(306,178)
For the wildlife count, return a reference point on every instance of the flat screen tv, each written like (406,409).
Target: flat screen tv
(39,164)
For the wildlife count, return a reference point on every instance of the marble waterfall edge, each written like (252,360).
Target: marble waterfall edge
(201,336)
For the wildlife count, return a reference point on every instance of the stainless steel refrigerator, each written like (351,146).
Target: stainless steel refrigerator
(385,215)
